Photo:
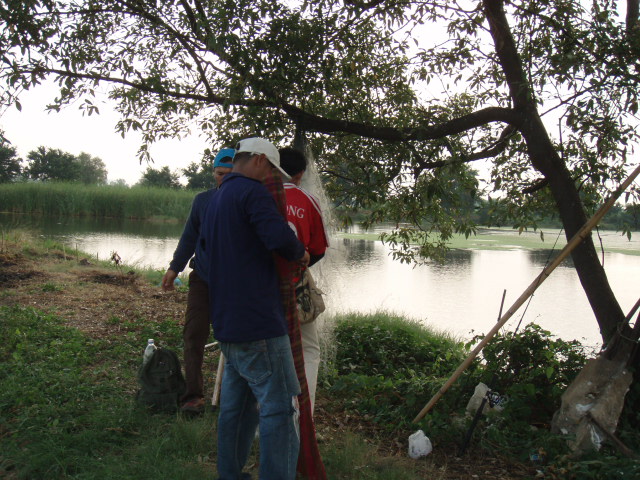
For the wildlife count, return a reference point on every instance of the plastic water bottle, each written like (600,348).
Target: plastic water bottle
(148,351)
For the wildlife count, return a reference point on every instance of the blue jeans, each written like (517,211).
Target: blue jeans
(259,386)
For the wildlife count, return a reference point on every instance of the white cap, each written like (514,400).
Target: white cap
(261,146)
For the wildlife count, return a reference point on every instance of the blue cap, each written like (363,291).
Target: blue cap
(224,158)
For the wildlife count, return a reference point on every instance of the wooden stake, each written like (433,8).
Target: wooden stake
(215,400)
(577,239)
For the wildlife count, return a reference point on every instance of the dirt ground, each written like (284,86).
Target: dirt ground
(88,296)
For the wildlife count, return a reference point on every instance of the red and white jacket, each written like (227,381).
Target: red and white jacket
(305,218)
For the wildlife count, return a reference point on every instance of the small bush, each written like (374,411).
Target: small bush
(386,367)
(387,345)
(533,368)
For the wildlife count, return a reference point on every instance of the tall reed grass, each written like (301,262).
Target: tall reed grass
(113,201)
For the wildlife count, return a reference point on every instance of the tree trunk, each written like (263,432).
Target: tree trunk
(546,160)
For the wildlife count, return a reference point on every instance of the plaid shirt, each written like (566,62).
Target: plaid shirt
(309,461)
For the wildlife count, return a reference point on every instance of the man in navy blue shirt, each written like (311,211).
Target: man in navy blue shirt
(197,324)
(242,229)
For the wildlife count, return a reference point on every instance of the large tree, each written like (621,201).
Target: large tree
(395,96)
(92,170)
(163,178)
(48,164)
(199,175)
(10,168)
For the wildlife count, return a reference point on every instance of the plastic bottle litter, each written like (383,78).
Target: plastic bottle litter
(148,351)
(475,401)
(419,445)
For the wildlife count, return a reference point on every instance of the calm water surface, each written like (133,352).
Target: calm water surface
(460,296)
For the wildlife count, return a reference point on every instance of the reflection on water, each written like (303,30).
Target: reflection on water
(464,293)
(139,243)
(545,256)
(453,259)
(356,250)
(460,295)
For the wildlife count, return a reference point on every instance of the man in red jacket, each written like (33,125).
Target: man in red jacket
(305,218)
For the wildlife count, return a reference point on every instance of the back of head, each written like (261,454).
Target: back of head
(292,161)
(258,146)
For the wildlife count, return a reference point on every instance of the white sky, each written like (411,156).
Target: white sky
(70,131)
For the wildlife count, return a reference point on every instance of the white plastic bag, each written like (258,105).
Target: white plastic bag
(419,445)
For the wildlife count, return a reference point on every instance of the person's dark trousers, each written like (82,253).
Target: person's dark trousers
(195,334)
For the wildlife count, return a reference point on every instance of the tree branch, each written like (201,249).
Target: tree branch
(364,5)
(338,175)
(182,39)
(316,123)
(507,53)
(495,149)
(633,14)
(536,186)
(209,99)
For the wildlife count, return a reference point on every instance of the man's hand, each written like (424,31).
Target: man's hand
(168,279)
(304,261)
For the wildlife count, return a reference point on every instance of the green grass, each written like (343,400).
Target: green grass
(73,199)
(351,458)
(67,410)
(67,405)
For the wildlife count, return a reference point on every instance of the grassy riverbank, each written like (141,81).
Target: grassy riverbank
(79,200)
(73,332)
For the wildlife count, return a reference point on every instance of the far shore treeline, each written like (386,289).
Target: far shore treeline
(52,164)
(56,183)
(76,199)
(73,199)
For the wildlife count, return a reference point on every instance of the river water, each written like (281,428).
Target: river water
(461,296)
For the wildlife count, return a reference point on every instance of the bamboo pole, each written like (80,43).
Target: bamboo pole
(569,247)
